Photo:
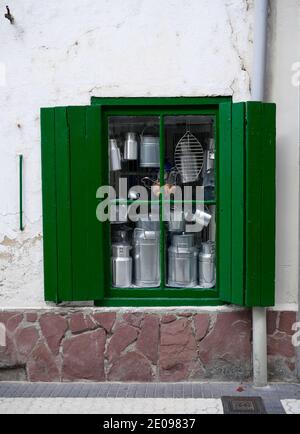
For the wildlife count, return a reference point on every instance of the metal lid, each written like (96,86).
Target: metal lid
(121,250)
(208,248)
(148,222)
(183,240)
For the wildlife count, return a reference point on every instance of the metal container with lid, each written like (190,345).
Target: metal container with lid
(182,261)
(130,147)
(207,269)
(146,254)
(121,265)
(114,156)
(149,155)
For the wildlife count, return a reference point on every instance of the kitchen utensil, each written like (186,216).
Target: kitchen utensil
(149,151)
(202,218)
(121,265)
(130,147)
(189,158)
(115,155)
(152,185)
(207,269)
(182,261)
(133,195)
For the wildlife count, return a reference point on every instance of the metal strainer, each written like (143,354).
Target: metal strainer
(189,157)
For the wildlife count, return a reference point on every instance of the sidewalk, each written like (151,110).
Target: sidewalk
(171,398)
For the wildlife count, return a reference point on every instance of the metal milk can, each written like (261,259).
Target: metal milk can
(146,254)
(114,156)
(207,269)
(130,147)
(121,265)
(182,261)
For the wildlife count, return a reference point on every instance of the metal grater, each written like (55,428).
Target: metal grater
(189,158)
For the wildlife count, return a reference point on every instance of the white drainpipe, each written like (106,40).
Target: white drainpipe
(259,315)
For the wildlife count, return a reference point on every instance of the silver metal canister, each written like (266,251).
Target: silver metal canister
(130,147)
(207,268)
(182,261)
(146,256)
(149,155)
(114,156)
(121,265)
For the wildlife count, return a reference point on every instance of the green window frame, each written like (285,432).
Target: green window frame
(75,164)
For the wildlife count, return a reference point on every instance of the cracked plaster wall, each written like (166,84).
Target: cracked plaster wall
(62,53)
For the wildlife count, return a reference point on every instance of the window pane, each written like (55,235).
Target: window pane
(190,201)
(134,161)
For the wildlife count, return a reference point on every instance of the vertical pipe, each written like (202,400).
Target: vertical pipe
(21,192)
(260,50)
(259,315)
(260,373)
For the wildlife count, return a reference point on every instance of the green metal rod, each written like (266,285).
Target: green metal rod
(161,213)
(21,191)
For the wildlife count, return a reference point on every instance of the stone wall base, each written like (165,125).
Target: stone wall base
(92,345)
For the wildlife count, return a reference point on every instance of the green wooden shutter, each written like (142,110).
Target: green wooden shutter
(253,204)
(260,180)
(72,159)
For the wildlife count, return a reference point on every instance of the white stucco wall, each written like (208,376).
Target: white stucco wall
(61,53)
(283,57)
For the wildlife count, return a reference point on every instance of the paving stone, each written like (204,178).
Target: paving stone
(103,389)
(140,391)
(112,391)
(187,390)
(151,390)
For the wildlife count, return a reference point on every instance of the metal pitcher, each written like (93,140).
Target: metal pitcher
(130,147)
(114,156)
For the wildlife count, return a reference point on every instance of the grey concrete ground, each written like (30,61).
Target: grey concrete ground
(152,397)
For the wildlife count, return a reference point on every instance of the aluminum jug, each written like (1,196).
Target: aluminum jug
(130,147)
(207,269)
(182,261)
(121,265)
(114,156)
(146,255)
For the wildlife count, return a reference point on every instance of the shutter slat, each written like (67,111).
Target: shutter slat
(63,192)
(49,204)
(224,204)
(238,193)
(268,205)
